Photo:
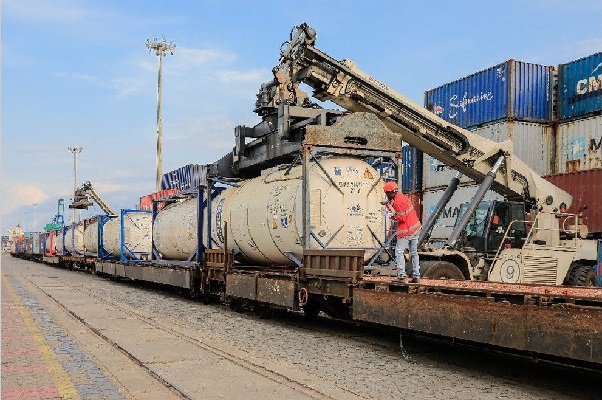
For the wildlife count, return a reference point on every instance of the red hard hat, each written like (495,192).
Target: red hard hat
(390,186)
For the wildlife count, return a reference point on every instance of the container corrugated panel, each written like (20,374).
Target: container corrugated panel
(146,202)
(411,177)
(580,87)
(444,225)
(579,145)
(187,177)
(533,143)
(416,199)
(586,189)
(513,90)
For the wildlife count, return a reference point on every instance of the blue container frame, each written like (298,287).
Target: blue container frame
(125,253)
(103,254)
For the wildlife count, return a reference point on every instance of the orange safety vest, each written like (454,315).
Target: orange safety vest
(405,215)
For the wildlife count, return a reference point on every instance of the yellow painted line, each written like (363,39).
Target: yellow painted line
(61,379)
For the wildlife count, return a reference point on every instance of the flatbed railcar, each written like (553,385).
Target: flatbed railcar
(560,324)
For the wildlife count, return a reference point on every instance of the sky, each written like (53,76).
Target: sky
(77,73)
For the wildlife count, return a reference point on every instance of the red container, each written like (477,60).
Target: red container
(586,189)
(49,244)
(416,199)
(146,202)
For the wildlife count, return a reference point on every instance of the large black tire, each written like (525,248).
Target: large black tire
(440,270)
(583,275)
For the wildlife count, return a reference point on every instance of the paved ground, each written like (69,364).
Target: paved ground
(39,360)
(136,342)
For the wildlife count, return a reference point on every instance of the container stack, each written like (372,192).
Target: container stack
(509,101)
(578,152)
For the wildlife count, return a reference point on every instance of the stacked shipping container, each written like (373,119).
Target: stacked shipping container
(513,101)
(509,101)
(578,167)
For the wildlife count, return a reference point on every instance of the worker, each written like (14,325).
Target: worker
(408,228)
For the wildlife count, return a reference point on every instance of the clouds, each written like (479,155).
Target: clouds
(15,195)
(78,73)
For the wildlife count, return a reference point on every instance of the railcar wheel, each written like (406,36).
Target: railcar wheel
(441,270)
(235,304)
(583,275)
(310,310)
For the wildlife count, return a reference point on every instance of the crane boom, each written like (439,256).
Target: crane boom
(81,199)
(344,84)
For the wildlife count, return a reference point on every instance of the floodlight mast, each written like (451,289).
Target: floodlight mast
(75,151)
(161,48)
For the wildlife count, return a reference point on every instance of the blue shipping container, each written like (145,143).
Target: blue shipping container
(580,87)
(411,163)
(513,90)
(187,177)
(411,177)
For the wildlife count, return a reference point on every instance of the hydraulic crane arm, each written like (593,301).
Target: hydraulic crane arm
(344,84)
(81,199)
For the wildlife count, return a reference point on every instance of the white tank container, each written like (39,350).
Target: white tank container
(137,233)
(74,239)
(57,241)
(49,243)
(175,230)
(91,237)
(264,216)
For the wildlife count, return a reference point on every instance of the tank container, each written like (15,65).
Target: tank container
(579,145)
(59,241)
(91,237)
(444,225)
(580,87)
(136,236)
(532,143)
(586,189)
(264,215)
(74,239)
(512,90)
(187,177)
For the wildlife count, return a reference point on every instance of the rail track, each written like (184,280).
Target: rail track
(320,358)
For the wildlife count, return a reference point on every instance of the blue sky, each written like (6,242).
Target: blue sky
(78,73)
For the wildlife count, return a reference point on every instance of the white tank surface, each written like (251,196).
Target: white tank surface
(137,233)
(74,239)
(49,243)
(57,241)
(175,230)
(264,215)
(91,237)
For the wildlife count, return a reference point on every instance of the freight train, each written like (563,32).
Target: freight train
(292,219)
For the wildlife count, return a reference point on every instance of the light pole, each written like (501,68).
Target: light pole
(35,220)
(161,49)
(75,151)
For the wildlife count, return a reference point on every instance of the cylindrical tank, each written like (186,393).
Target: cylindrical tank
(58,242)
(175,230)
(137,233)
(91,237)
(265,215)
(74,239)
